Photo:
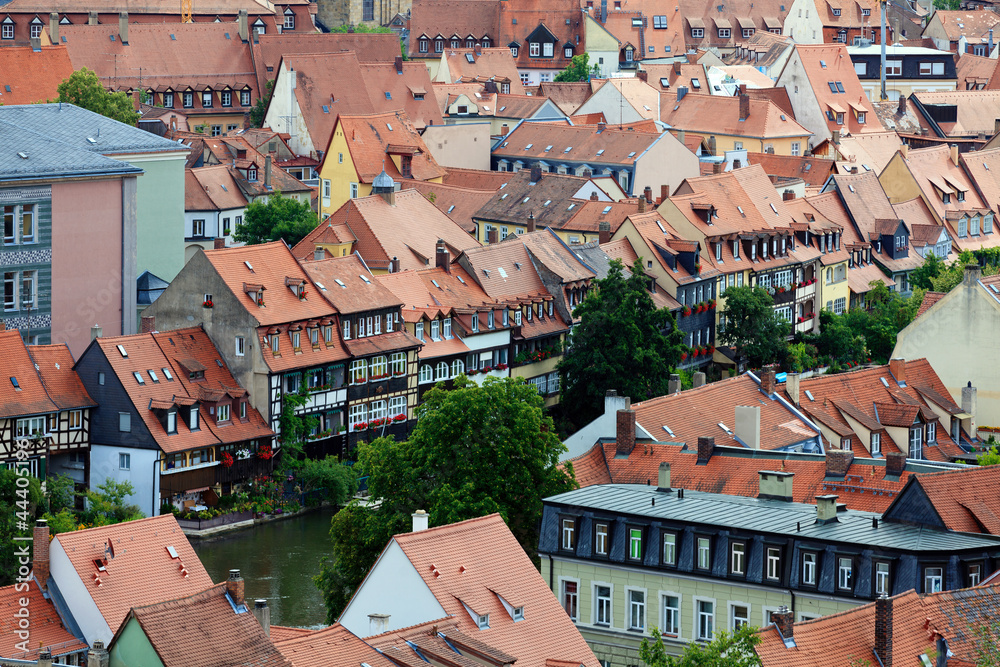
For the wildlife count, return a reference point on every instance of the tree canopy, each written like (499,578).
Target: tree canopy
(752,326)
(20,496)
(279,218)
(727,649)
(623,342)
(84,89)
(579,69)
(474,450)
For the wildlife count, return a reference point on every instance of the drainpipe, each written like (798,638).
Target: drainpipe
(154,509)
(551,582)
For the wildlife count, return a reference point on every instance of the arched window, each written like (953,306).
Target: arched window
(442,371)
(457,368)
(426,373)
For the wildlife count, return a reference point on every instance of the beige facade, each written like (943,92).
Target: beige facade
(464,146)
(334,13)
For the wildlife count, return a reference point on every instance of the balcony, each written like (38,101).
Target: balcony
(805,290)
(805,326)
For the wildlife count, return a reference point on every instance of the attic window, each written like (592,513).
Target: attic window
(571,207)
(340,282)
(388,96)
(167,374)
(632,154)
(607,209)
(483,621)
(247,264)
(548,148)
(121,350)
(13,381)
(460,279)
(152,375)
(809,394)
(518,613)
(822,63)
(364,278)
(172,552)
(138,377)
(660,22)
(600,152)
(667,429)
(387,124)
(500,270)
(636,22)
(451,208)
(568,149)
(547,202)
(470,57)
(885,383)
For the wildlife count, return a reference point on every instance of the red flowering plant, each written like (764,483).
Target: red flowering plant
(399,418)
(687,311)
(265,452)
(361,426)
(227,460)
(207,303)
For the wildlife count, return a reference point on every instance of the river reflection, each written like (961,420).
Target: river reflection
(278,561)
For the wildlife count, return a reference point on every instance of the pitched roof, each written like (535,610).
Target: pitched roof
(551,252)
(778,95)
(634,24)
(762,49)
(368,47)
(826,63)
(764,16)
(141,557)
(32,76)
(348,285)
(849,15)
(964,499)
(616,146)
(211,189)
(520,19)
(22,392)
(980,165)
(720,114)
(568,96)
(204,629)
(475,178)
(333,645)
(369,137)
(379,229)
(811,169)
(973,71)
(548,199)
(47,629)
(63,385)
(973,109)
(971,23)
(458,203)
(478,562)
(479,18)
(495,63)
(868,151)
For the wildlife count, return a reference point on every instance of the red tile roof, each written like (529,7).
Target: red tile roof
(349,286)
(331,646)
(458,203)
(493,64)
(568,96)
(477,561)
(930,298)
(141,557)
(584,143)
(447,18)
(813,170)
(368,47)
(211,189)
(965,499)
(823,63)
(63,385)
(204,630)
(369,137)
(28,395)
(521,18)
(720,114)
(32,76)
(47,629)
(475,178)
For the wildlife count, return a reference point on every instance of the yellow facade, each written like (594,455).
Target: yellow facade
(899,183)
(338,176)
(781,145)
(833,286)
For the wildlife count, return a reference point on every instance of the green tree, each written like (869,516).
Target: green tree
(728,649)
(948,4)
(923,275)
(622,342)
(752,327)
(365,29)
(294,428)
(107,506)
(336,478)
(280,218)
(19,502)
(579,69)
(84,89)
(474,450)
(838,340)
(259,110)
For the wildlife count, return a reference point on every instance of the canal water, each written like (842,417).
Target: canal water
(277,561)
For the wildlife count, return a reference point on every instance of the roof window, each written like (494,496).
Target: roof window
(13,381)
(167,374)
(121,350)
(138,377)
(340,282)
(365,278)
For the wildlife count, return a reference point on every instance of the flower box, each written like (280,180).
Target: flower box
(501,367)
(208,304)
(265,452)
(227,460)
(399,418)
(687,311)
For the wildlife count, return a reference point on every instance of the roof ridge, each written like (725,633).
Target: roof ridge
(459,525)
(206,593)
(124,524)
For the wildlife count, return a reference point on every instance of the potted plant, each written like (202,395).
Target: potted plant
(227,460)
(361,426)
(207,303)
(687,311)
(265,452)
(401,417)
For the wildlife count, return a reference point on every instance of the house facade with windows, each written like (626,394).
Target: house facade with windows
(46,411)
(835,21)
(214,207)
(437,26)
(623,558)
(908,70)
(171,419)
(543,36)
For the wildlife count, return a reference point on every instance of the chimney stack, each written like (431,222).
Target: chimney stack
(674,383)
(883,630)
(647,193)
(603,232)
(244,26)
(717,167)
(744,103)
(92,18)
(96,331)
(531,222)
(711,145)
(319,253)
(123,27)
(826,508)
(395,268)
(643,75)
(838,462)
(263,614)
(377,624)
(147,324)
(664,192)
(399,64)
(954,154)
(642,205)
(681,135)
(904,150)
(40,553)
(44,657)
(775,485)
(972,274)
(901,107)
(706,447)
(54,27)
(267,172)
(492,236)
(613,402)
(593,196)
(897,367)
(420,520)
(767,381)
(969,406)
(747,428)
(681,92)
(601,126)
(792,381)
(219,244)
(895,464)
(536,172)
(235,587)
(835,139)
(442,258)
(698,379)
(624,432)
(783,620)
(98,655)
(663,477)
(787,195)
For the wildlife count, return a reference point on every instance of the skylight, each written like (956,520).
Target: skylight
(632,154)
(121,350)
(138,377)
(470,58)
(525,200)
(152,375)
(247,264)
(548,148)
(528,146)
(387,124)
(388,96)
(885,382)
(600,152)
(774,208)
(667,429)
(435,283)
(822,63)
(460,279)
(568,149)
(547,202)
(809,394)
(570,207)
(365,278)
(13,381)
(500,270)
(994,288)
(607,209)
(320,285)
(172,552)
(451,208)
(340,282)
(167,374)
(725,428)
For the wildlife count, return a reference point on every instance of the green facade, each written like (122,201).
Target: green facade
(131,648)
(159,213)
(27,257)
(618,645)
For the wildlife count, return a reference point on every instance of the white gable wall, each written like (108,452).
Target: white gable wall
(76,596)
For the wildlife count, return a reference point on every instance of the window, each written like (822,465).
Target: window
(635,543)
(426,373)
(845,573)
(933,579)
(568,534)
(534,49)
(31,426)
(916,444)
(397,363)
(974,220)
(881,578)
(975,574)
(748,32)
(671,619)
(570,598)
(245,98)
(197,228)
(7,31)
(931,432)
(697,33)
(600,539)
(669,549)
(513,51)
(547,50)
(705,629)
(359,368)
(893,67)
(28,224)
(861,117)
(840,118)
(739,615)
(517,318)
(356,416)
(809,569)
(124,461)
(75,420)
(435,330)
(724,33)
(704,553)
(861,68)
(840,305)
(354,190)
(931,69)
(602,597)
(659,22)
(637,610)
(172,422)
(441,371)
(796,148)
(988,223)
(475,322)
(423,45)
(774,563)
(379,367)
(737,558)
(206,99)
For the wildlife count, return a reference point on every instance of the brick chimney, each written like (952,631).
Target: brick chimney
(136,99)
(664,193)
(624,432)
(642,205)
(706,447)
(883,630)
(603,232)
(219,244)
(531,222)
(601,126)
(838,462)
(784,621)
(717,167)
(536,173)
(767,381)
(744,103)
(40,556)
(647,193)
(399,64)
(895,464)
(787,195)
(395,268)
(901,107)
(593,196)
(235,587)
(147,324)
(897,366)
(442,258)
(263,614)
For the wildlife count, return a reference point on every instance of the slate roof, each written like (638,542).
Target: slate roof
(735,471)
(33,76)
(475,562)
(205,630)
(47,629)
(356,295)
(141,557)
(720,114)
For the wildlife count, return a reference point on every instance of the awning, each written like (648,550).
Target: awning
(696,23)
(772,23)
(746,23)
(836,107)
(722,22)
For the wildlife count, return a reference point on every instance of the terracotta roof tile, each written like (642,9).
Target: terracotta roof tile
(930,298)
(22,391)
(280,633)
(973,71)
(32,76)
(369,136)
(475,178)
(333,645)
(204,629)
(584,143)
(550,200)
(430,18)
(568,96)
(972,24)
(458,203)
(63,385)
(521,18)
(545,633)
(368,47)
(47,629)
(495,63)
(211,189)
(140,557)
(971,108)
(813,170)
(838,68)
(349,286)
(551,252)
(765,15)
(762,49)
(709,114)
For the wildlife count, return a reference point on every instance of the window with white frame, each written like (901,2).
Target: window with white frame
(426,373)
(568,542)
(737,558)
(377,410)
(845,573)
(739,615)
(636,609)
(916,443)
(602,605)
(356,415)
(441,371)
(534,49)
(359,371)
(809,568)
(881,578)
(669,549)
(222,413)
(697,33)
(704,553)
(397,363)
(774,563)
(397,406)
(379,367)
(635,543)
(446,327)
(600,538)
(435,330)
(705,620)
(671,619)
(570,598)
(933,579)
(457,367)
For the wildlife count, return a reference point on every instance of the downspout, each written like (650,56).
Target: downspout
(551,575)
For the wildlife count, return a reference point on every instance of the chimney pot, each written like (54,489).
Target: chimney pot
(420,520)
(706,447)
(96,331)
(625,432)
(663,480)
(44,657)
(98,656)
(647,193)
(235,587)
(531,222)
(263,614)
(787,195)
(593,196)
(664,192)
(442,258)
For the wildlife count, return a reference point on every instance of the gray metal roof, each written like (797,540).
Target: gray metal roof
(27,155)
(79,128)
(776,517)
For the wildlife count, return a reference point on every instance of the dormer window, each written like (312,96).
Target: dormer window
(435,330)
(736,249)
(193,418)
(489,320)
(252,174)
(222,413)
(274,343)
(753,251)
(347,329)
(419,331)
(296,339)
(518,614)
(447,327)
(483,621)
(475,322)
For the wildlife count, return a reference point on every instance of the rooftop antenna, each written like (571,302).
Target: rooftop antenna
(884,97)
